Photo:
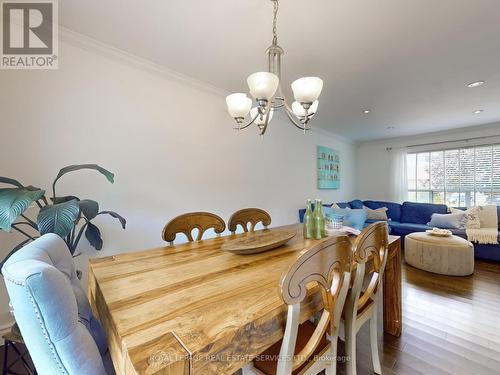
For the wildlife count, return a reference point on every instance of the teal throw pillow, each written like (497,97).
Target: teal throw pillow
(354,218)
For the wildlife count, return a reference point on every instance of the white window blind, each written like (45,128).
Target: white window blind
(462,177)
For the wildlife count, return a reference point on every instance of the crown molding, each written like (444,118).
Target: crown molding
(449,135)
(92,45)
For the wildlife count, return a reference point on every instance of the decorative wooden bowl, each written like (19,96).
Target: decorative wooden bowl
(258,242)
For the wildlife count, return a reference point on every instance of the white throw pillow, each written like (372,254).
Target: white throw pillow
(335,205)
(472,214)
(377,214)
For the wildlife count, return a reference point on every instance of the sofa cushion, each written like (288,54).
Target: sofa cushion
(420,213)
(459,232)
(393,209)
(409,227)
(356,204)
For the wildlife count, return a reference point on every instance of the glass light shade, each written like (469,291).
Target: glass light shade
(260,120)
(299,110)
(263,85)
(238,105)
(307,89)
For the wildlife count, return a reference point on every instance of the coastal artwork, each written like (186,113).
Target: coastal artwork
(328,168)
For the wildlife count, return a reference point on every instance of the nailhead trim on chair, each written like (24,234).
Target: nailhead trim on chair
(40,321)
(17,282)
(45,334)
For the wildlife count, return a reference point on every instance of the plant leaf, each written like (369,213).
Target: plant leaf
(58,218)
(89,208)
(93,235)
(10,181)
(13,202)
(116,216)
(66,198)
(76,167)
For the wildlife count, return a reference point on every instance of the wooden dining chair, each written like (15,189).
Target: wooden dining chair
(194,220)
(371,247)
(305,348)
(246,216)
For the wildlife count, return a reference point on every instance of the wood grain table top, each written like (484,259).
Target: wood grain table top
(169,310)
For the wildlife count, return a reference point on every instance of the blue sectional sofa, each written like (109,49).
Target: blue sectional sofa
(412,217)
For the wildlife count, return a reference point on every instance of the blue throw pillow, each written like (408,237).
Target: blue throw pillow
(448,221)
(356,204)
(352,218)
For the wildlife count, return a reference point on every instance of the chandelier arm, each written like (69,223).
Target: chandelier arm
(292,116)
(247,125)
(267,110)
(293,119)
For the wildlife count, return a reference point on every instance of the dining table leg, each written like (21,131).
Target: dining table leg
(392,291)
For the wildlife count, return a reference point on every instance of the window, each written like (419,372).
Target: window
(462,177)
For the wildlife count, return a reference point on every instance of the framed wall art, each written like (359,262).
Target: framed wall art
(328,168)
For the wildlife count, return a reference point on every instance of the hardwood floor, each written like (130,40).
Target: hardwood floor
(18,367)
(451,325)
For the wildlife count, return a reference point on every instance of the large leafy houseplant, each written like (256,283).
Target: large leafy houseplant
(67,216)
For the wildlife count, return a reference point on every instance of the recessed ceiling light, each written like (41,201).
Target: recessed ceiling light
(390,127)
(476,84)
(366,111)
(478,111)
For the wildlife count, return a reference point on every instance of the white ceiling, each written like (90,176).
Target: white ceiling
(406,60)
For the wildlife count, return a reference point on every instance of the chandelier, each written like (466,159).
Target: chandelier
(265,88)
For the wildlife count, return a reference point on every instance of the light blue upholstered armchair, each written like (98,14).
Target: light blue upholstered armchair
(52,311)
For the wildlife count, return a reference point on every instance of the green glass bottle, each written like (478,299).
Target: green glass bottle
(308,221)
(323,216)
(318,220)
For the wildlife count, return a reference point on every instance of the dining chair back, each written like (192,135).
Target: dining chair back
(186,223)
(327,265)
(370,258)
(52,310)
(246,216)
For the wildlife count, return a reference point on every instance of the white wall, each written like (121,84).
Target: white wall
(168,140)
(373,160)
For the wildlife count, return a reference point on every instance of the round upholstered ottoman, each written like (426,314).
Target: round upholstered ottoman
(451,255)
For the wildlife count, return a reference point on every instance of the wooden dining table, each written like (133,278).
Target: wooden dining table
(193,308)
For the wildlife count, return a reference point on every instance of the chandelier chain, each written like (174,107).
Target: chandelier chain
(275,20)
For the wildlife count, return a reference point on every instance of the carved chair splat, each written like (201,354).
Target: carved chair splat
(194,220)
(328,265)
(246,216)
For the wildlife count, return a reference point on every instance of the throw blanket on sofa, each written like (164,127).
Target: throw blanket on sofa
(488,233)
